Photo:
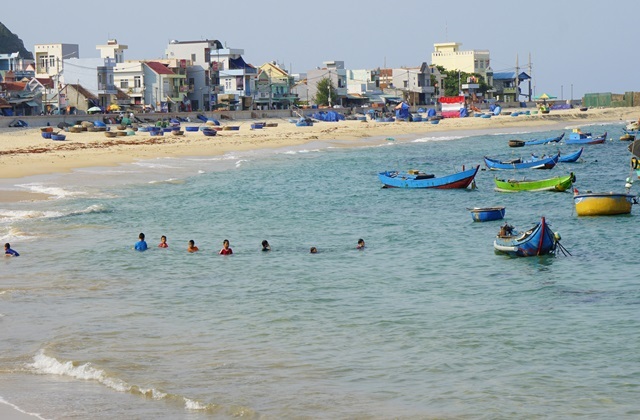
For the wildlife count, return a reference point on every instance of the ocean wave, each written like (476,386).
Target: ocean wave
(169,181)
(46,365)
(14,215)
(240,162)
(55,192)
(440,138)
(13,234)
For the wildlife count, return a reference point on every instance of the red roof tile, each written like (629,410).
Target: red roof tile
(159,67)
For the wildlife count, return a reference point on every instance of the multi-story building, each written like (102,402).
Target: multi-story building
(49,59)
(96,75)
(165,84)
(449,56)
(215,70)
(273,87)
(336,73)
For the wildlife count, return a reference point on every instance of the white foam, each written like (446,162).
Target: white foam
(194,405)
(15,407)
(14,215)
(43,364)
(240,162)
(443,138)
(54,192)
(14,234)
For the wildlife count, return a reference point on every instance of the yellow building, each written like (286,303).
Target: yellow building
(449,56)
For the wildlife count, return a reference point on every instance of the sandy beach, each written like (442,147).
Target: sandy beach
(23,152)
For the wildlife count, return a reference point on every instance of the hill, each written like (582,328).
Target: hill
(10,43)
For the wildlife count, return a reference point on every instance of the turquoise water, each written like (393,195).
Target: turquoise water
(426,322)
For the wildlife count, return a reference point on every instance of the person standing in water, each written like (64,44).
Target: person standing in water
(141,245)
(225,248)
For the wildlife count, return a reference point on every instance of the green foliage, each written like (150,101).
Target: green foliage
(454,79)
(326,94)
(10,43)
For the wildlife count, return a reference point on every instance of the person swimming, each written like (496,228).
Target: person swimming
(163,242)
(266,246)
(313,250)
(360,244)
(8,252)
(141,245)
(225,248)
(192,246)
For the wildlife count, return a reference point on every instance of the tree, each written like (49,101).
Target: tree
(326,93)
(455,78)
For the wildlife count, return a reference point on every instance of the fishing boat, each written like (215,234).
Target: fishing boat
(519,163)
(571,157)
(419,179)
(559,183)
(539,240)
(487,214)
(58,137)
(544,141)
(603,204)
(209,132)
(578,137)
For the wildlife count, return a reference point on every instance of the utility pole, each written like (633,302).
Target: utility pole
(517,81)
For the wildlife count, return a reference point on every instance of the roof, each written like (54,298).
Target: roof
(120,94)
(82,91)
(47,82)
(158,67)
(510,75)
(13,86)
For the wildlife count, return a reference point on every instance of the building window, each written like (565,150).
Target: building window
(137,82)
(227,84)
(124,84)
(193,58)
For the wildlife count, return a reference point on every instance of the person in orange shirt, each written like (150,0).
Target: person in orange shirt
(192,246)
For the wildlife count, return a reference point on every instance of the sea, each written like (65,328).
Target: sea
(427,322)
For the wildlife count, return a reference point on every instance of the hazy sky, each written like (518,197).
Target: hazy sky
(577,46)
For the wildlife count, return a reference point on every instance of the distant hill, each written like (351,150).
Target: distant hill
(10,43)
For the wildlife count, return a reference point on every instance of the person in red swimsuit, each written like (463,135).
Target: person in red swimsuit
(225,248)
(163,242)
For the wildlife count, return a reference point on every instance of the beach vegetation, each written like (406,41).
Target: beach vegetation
(452,81)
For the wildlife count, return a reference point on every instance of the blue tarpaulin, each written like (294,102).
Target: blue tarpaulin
(402,111)
(330,116)
(431,112)
(463,112)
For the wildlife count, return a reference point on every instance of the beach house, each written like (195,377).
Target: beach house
(273,87)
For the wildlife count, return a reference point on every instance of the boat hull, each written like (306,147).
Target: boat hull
(571,157)
(487,214)
(394,179)
(544,163)
(560,184)
(603,204)
(584,138)
(544,141)
(539,240)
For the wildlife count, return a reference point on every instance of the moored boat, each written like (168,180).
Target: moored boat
(539,240)
(603,203)
(578,137)
(559,183)
(419,179)
(209,132)
(534,163)
(544,141)
(571,157)
(487,214)
(516,143)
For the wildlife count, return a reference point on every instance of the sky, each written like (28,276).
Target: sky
(576,46)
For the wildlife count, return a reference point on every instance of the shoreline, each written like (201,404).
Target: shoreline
(23,152)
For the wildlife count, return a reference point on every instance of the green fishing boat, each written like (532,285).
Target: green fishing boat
(560,183)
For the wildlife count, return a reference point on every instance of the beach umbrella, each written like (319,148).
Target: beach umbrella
(94,109)
(544,97)
(114,107)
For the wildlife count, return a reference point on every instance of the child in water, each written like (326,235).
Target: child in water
(141,245)
(266,246)
(163,242)
(360,244)
(192,246)
(8,252)
(313,250)
(225,248)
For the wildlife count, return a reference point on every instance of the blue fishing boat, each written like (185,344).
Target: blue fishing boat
(544,141)
(578,137)
(209,132)
(571,157)
(519,163)
(419,179)
(539,240)
(487,214)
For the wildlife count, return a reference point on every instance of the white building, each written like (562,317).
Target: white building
(49,59)
(449,56)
